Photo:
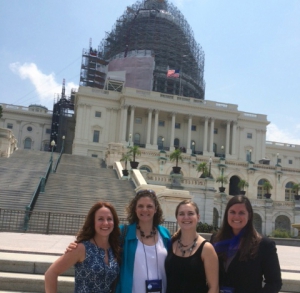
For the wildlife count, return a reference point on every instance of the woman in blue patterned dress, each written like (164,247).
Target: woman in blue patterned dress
(97,256)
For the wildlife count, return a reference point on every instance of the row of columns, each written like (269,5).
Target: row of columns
(209,126)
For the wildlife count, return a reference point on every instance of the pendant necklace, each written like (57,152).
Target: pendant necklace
(152,233)
(181,246)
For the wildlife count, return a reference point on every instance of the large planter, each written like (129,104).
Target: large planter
(242,192)
(125,172)
(267,195)
(176,170)
(221,189)
(134,165)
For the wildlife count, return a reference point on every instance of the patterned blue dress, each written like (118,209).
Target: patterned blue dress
(93,275)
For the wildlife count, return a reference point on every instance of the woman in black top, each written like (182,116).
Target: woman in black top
(191,264)
(246,259)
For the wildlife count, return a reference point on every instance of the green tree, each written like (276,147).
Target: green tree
(134,151)
(242,184)
(202,167)
(176,156)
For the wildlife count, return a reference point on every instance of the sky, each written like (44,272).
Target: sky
(252,52)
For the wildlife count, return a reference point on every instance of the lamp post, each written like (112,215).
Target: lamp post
(63,143)
(250,152)
(193,147)
(52,146)
(129,138)
(223,156)
(162,143)
(277,160)
(209,170)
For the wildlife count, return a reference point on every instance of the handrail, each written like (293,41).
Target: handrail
(58,160)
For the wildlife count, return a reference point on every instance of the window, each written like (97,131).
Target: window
(249,135)
(279,161)
(97,114)
(29,128)
(215,130)
(160,143)
(145,168)
(48,130)
(289,193)
(177,125)
(137,139)
(194,128)
(27,143)
(96,136)
(291,162)
(9,125)
(176,143)
(94,156)
(161,123)
(138,120)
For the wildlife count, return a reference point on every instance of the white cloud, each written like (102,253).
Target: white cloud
(45,85)
(290,136)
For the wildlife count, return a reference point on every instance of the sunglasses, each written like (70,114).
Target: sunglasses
(146,191)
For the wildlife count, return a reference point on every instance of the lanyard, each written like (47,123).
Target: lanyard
(146,257)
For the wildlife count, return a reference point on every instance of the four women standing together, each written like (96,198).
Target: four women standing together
(151,261)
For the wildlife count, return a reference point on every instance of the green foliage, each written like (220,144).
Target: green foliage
(206,228)
(134,151)
(242,184)
(125,158)
(176,156)
(202,167)
(0,111)
(267,186)
(296,188)
(280,233)
(222,179)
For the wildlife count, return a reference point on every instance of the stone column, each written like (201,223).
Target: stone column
(106,130)
(131,124)
(227,152)
(233,138)
(188,145)
(149,127)
(123,125)
(172,132)
(154,142)
(86,122)
(205,135)
(211,138)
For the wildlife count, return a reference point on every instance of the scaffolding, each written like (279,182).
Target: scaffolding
(160,27)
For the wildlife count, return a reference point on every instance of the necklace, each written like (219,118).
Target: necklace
(152,233)
(181,246)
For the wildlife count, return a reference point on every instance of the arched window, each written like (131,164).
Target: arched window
(289,193)
(260,189)
(233,185)
(137,139)
(257,222)
(283,223)
(27,143)
(214,147)
(146,168)
(176,143)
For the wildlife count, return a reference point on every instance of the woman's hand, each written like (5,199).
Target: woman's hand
(72,246)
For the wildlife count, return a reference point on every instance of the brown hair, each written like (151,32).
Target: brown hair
(177,234)
(87,231)
(250,239)
(131,214)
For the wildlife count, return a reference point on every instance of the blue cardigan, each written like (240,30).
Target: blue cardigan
(128,255)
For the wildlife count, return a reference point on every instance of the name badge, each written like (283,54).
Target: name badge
(226,289)
(153,286)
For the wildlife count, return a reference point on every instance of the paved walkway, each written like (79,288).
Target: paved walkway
(289,256)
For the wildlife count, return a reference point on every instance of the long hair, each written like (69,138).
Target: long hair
(250,238)
(177,234)
(87,231)
(130,209)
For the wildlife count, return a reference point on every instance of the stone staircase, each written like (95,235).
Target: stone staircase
(19,177)
(81,181)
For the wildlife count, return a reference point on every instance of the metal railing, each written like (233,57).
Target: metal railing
(50,223)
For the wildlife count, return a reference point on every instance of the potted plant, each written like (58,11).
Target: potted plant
(202,167)
(242,185)
(223,180)
(176,156)
(296,188)
(134,151)
(125,158)
(267,186)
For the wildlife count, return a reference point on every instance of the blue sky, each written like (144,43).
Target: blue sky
(252,52)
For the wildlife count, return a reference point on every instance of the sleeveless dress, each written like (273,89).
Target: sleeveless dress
(186,274)
(93,275)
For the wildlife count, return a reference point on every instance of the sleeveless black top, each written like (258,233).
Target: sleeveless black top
(186,274)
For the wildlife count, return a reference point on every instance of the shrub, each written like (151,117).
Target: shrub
(280,233)
(206,228)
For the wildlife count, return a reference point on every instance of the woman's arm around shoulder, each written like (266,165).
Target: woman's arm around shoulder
(270,266)
(211,266)
(61,265)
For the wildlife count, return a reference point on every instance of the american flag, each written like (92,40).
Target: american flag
(173,73)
